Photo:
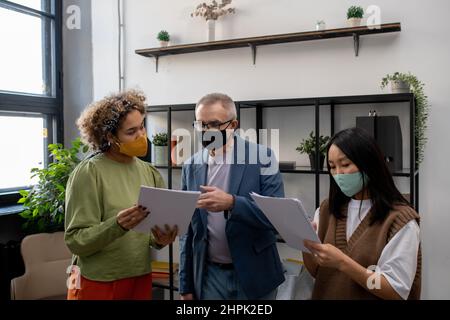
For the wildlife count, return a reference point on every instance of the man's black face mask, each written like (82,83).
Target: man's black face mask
(214,139)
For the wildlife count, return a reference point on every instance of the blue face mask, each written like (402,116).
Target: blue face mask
(351,183)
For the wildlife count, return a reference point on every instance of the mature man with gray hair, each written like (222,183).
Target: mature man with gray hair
(229,251)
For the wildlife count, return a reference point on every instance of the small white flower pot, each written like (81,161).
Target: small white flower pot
(398,86)
(164,43)
(320,26)
(354,22)
(161,155)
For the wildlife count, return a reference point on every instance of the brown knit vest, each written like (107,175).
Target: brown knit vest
(365,247)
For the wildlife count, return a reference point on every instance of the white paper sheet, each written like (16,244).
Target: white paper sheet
(289,218)
(171,207)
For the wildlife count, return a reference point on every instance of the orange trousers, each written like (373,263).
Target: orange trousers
(136,288)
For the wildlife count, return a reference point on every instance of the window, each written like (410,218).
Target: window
(22,146)
(40,5)
(30,90)
(27,61)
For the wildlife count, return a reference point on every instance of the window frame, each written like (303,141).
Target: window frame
(48,107)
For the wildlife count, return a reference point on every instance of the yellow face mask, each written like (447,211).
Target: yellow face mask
(136,148)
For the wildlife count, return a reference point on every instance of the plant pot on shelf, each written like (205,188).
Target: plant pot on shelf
(161,156)
(312,160)
(320,26)
(398,86)
(164,44)
(211,30)
(354,22)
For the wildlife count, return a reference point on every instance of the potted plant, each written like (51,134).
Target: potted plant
(407,82)
(355,15)
(211,12)
(160,141)
(164,38)
(44,204)
(308,146)
(398,82)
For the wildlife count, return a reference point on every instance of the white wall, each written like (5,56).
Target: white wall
(317,68)
(77,67)
(105,51)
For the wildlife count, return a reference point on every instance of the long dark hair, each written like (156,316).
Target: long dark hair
(365,153)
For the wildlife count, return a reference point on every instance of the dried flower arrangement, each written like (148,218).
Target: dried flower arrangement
(214,10)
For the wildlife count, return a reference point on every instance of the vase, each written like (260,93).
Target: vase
(161,156)
(210,30)
(164,44)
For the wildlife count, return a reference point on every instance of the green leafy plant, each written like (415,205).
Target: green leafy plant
(422,108)
(44,204)
(355,12)
(160,140)
(308,146)
(163,35)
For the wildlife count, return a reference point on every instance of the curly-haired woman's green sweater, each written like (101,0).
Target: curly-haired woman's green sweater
(97,190)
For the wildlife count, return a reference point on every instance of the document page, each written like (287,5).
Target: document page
(171,207)
(288,216)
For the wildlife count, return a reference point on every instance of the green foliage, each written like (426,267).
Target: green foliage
(355,12)
(422,108)
(160,139)
(308,146)
(163,35)
(44,204)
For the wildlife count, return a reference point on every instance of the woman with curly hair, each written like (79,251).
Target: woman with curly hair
(112,262)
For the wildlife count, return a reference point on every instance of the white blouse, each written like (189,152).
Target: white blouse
(398,260)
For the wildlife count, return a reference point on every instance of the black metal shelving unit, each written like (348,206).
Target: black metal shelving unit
(333,103)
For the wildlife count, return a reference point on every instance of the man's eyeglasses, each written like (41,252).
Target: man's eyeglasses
(199,125)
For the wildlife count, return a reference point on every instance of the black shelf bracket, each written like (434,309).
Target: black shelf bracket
(254,52)
(356,43)
(156,61)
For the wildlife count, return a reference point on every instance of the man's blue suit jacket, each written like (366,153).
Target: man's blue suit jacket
(251,237)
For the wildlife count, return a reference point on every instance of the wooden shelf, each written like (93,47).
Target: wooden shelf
(165,283)
(254,42)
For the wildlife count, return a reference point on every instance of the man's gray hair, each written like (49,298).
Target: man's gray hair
(225,100)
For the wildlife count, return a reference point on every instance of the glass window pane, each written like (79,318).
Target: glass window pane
(41,5)
(22,145)
(26,54)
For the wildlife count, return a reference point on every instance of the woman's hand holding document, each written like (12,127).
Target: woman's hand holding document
(289,218)
(168,208)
